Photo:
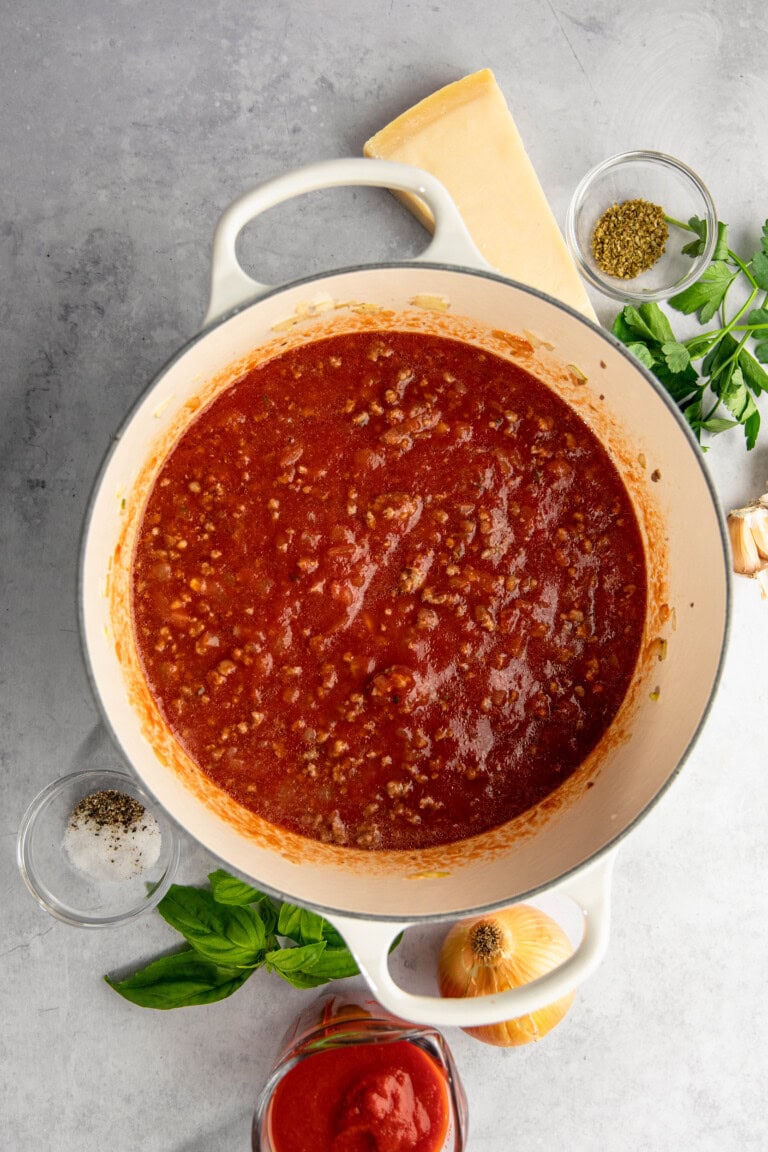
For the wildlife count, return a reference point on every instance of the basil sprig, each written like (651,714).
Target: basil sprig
(721,392)
(231,929)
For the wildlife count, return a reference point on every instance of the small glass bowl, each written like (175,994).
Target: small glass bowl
(70,893)
(661,180)
(350,1020)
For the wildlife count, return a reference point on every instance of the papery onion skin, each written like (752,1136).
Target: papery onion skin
(503,950)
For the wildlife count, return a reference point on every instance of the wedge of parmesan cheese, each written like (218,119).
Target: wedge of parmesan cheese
(464,135)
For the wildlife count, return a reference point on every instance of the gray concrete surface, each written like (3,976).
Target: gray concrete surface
(125,129)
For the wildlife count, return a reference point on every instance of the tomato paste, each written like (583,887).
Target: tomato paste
(388,1097)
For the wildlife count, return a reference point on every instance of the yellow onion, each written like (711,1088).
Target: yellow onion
(504,950)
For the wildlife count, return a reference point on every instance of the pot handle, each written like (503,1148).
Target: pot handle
(370,941)
(230,285)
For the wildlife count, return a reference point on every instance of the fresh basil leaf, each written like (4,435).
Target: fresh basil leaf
(335,964)
(333,938)
(642,353)
(761,352)
(301,979)
(180,981)
(266,909)
(311,965)
(300,924)
(189,909)
(760,269)
(306,927)
(706,295)
(657,322)
(676,355)
(228,889)
(756,377)
(241,943)
(302,958)
(289,921)
(311,927)
(224,934)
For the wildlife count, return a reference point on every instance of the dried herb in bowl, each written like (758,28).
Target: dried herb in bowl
(629,238)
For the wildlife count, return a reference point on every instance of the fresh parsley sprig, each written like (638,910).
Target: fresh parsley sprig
(730,375)
(231,930)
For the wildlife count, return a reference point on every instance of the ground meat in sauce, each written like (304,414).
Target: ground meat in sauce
(388,590)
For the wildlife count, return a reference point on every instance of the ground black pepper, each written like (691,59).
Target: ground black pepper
(629,238)
(111,836)
(109,808)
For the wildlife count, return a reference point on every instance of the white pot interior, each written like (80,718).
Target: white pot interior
(685,627)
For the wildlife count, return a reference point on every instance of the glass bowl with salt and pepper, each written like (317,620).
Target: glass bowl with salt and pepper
(95,850)
(641,226)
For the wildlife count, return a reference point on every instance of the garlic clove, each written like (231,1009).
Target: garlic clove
(746,556)
(748,532)
(759,528)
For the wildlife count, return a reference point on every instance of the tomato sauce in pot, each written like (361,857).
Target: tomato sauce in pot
(388,590)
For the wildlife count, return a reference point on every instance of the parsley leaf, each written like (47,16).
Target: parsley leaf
(730,373)
(676,355)
(755,376)
(643,353)
(706,295)
(758,317)
(656,322)
(760,269)
(752,428)
(721,251)
(696,247)
(716,424)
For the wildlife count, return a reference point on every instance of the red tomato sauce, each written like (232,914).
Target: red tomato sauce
(388,590)
(362,1098)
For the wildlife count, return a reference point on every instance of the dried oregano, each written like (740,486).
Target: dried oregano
(629,238)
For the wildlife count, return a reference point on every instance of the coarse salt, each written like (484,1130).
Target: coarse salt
(111,836)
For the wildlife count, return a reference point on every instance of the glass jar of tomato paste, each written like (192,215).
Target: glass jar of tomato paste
(349,1077)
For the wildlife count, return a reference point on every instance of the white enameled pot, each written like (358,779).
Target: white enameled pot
(567,844)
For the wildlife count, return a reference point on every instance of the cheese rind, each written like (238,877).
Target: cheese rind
(464,135)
